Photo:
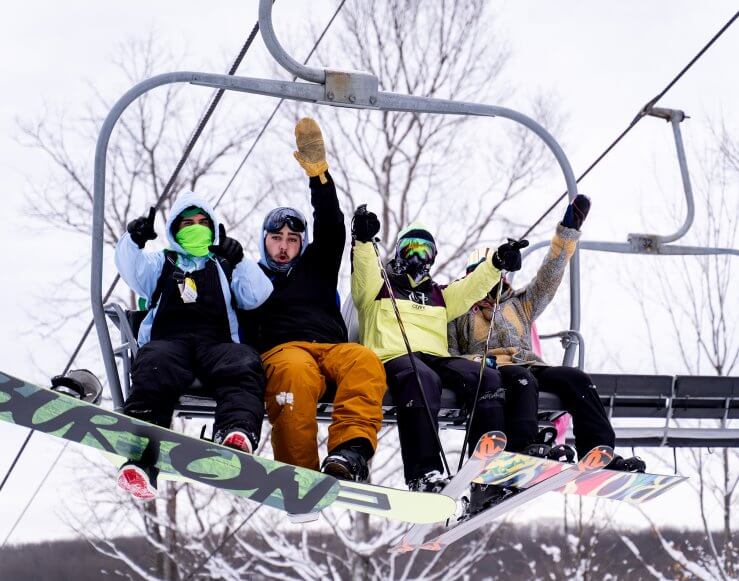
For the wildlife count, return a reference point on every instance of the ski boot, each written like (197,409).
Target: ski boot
(562,453)
(138,480)
(633,464)
(236,439)
(537,449)
(346,464)
(483,496)
(433,481)
(547,435)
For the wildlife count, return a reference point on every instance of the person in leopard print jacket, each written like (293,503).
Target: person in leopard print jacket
(511,343)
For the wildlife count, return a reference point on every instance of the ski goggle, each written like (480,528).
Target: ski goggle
(279,217)
(419,247)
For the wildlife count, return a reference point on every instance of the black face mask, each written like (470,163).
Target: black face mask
(414,267)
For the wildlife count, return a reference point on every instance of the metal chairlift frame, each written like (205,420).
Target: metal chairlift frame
(337,88)
(724,404)
(330,87)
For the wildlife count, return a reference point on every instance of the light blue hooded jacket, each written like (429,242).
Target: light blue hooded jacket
(141,270)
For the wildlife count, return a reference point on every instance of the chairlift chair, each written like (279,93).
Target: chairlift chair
(632,396)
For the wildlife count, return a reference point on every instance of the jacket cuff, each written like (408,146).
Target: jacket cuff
(568,233)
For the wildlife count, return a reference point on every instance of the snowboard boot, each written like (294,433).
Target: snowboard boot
(633,464)
(562,453)
(140,481)
(483,496)
(346,464)
(236,439)
(433,481)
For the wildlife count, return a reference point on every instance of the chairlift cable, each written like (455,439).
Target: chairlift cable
(12,465)
(230,535)
(206,116)
(35,493)
(639,116)
(274,111)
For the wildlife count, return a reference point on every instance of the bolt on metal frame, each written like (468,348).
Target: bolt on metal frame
(352,89)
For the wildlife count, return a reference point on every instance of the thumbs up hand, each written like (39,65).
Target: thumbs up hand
(227,248)
(142,229)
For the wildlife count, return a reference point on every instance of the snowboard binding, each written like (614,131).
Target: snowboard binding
(80,384)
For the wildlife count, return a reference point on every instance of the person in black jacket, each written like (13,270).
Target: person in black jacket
(302,337)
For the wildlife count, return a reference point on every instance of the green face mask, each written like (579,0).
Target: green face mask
(195,239)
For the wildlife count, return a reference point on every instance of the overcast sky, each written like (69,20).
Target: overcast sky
(601,60)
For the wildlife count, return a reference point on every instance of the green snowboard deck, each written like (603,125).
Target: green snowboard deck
(282,486)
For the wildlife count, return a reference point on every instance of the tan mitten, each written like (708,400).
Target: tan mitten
(311,154)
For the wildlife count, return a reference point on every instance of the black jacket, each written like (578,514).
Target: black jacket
(304,304)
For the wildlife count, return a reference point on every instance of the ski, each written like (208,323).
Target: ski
(550,480)
(488,447)
(517,471)
(282,486)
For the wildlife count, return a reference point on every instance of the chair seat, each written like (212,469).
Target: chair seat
(196,402)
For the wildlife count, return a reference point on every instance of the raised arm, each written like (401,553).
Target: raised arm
(329,232)
(366,276)
(542,289)
(461,294)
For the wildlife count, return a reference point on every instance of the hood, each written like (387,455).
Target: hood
(184,201)
(263,248)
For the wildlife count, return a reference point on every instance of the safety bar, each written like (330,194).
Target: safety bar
(568,338)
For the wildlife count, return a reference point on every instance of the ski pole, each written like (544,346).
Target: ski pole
(483,362)
(361,210)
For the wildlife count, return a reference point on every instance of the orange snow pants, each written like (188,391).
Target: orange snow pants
(296,379)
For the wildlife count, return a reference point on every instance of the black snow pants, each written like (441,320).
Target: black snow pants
(231,372)
(580,399)
(418,446)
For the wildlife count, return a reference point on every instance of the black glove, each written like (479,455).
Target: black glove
(142,229)
(508,255)
(576,212)
(229,249)
(365,225)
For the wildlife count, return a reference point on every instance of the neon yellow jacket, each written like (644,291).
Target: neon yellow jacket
(425,309)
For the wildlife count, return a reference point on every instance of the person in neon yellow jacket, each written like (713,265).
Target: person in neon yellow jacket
(425,308)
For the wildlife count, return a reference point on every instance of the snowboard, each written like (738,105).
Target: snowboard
(519,471)
(282,486)
(549,479)
(488,447)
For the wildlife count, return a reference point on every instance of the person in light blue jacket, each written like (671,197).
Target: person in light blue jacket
(191,328)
